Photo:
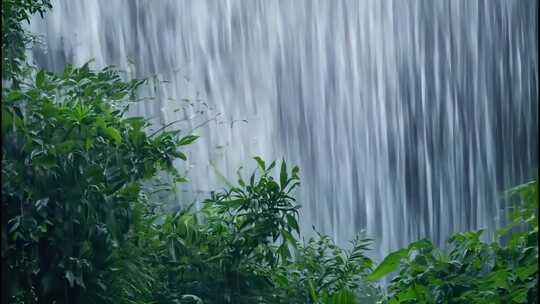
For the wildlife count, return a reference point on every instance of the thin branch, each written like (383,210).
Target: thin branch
(204,123)
(170,124)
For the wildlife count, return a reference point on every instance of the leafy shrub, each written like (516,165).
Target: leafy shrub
(212,253)
(471,271)
(14,37)
(242,247)
(77,226)
(322,272)
(72,169)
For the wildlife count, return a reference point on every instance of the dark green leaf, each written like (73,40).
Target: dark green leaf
(389,264)
(40,78)
(283,175)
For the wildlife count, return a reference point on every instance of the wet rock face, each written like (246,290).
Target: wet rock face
(407,118)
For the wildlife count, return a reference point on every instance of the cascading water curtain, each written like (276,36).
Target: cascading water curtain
(407,118)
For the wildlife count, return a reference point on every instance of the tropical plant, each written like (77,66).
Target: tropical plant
(72,169)
(322,272)
(471,271)
(212,253)
(15,38)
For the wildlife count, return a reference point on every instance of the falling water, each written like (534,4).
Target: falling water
(407,118)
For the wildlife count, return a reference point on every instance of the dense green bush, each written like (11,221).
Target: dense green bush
(470,271)
(15,38)
(211,253)
(322,272)
(242,247)
(72,169)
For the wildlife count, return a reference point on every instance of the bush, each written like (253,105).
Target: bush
(470,271)
(72,169)
(213,257)
(322,272)
(14,38)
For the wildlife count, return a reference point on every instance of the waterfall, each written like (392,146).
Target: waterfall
(407,118)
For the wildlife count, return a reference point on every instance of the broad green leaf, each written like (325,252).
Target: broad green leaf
(388,265)
(519,296)
(525,272)
(261,163)
(499,279)
(14,96)
(113,134)
(408,294)
(281,280)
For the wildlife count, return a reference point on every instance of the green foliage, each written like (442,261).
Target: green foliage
(471,271)
(389,264)
(322,272)
(242,247)
(256,214)
(72,169)
(216,258)
(14,37)
(79,226)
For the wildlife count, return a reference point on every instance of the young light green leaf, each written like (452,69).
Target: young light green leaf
(261,163)
(186,140)
(113,134)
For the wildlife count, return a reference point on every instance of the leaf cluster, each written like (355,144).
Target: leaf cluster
(14,37)
(323,272)
(72,170)
(471,271)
